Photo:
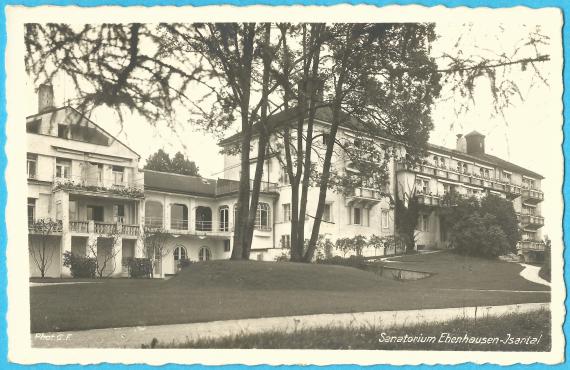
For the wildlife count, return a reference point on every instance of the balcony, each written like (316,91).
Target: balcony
(154,222)
(45,227)
(532,196)
(531,245)
(183,227)
(111,186)
(512,191)
(103,228)
(530,221)
(429,200)
(364,197)
(224,186)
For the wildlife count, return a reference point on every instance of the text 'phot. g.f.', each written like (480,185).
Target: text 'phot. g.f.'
(286,185)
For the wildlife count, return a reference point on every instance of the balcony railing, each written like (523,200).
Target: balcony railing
(531,245)
(154,222)
(179,224)
(528,220)
(79,226)
(131,189)
(429,199)
(464,177)
(103,228)
(44,227)
(532,195)
(367,193)
(224,186)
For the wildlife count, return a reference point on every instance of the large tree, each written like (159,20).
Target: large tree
(161,161)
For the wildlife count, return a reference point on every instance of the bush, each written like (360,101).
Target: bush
(140,268)
(284,257)
(352,261)
(80,266)
(480,236)
(184,263)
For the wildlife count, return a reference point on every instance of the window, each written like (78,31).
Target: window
(422,186)
(442,162)
(286,241)
(32,165)
(284,176)
(506,177)
(118,175)
(203,219)
(62,131)
(62,168)
(465,170)
(327,215)
(385,220)
(180,253)
(262,217)
(119,213)
(357,216)
(178,217)
(153,214)
(224,218)
(204,254)
(526,210)
(286,212)
(227,247)
(31,210)
(528,183)
(96,172)
(73,210)
(326,138)
(33,127)
(95,213)
(423,223)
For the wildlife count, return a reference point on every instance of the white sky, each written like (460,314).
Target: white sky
(531,136)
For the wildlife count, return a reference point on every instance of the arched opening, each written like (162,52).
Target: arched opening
(203,219)
(180,255)
(179,217)
(153,214)
(204,254)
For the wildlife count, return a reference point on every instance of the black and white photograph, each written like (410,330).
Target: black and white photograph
(310,184)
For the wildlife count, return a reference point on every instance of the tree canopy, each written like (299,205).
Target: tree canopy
(161,161)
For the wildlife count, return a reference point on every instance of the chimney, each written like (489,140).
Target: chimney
(461,145)
(45,98)
(475,143)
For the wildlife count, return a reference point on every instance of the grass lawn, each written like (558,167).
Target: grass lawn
(495,330)
(223,290)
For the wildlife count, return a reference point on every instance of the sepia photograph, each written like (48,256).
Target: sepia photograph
(333,180)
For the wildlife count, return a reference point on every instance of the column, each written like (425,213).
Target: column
(118,252)
(139,244)
(61,199)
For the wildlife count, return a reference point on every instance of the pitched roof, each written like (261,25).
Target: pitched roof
(175,183)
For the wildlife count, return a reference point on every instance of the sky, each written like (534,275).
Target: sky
(528,134)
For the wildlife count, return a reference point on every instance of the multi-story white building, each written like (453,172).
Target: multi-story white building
(85,180)
(90,184)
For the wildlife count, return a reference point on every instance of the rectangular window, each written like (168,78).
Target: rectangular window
(62,131)
(119,213)
(95,213)
(286,241)
(31,210)
(286,212)
(284,176)
(227,247)
(63,168)
(425,222)
(506,177)
(357,216)
(58,210)
(263,216)
(326,138)
(118,175)
(32,165)
(385,221)
(33,127)
(73,210)
(327,214)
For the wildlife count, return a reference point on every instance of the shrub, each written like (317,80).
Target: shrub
(184,263)
(479,235)
(140,268)
(80,266)
(284,257)
(352,261)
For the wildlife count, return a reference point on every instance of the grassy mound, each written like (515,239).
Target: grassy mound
(256,275)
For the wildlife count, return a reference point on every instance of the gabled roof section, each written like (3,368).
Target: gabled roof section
(83,117)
